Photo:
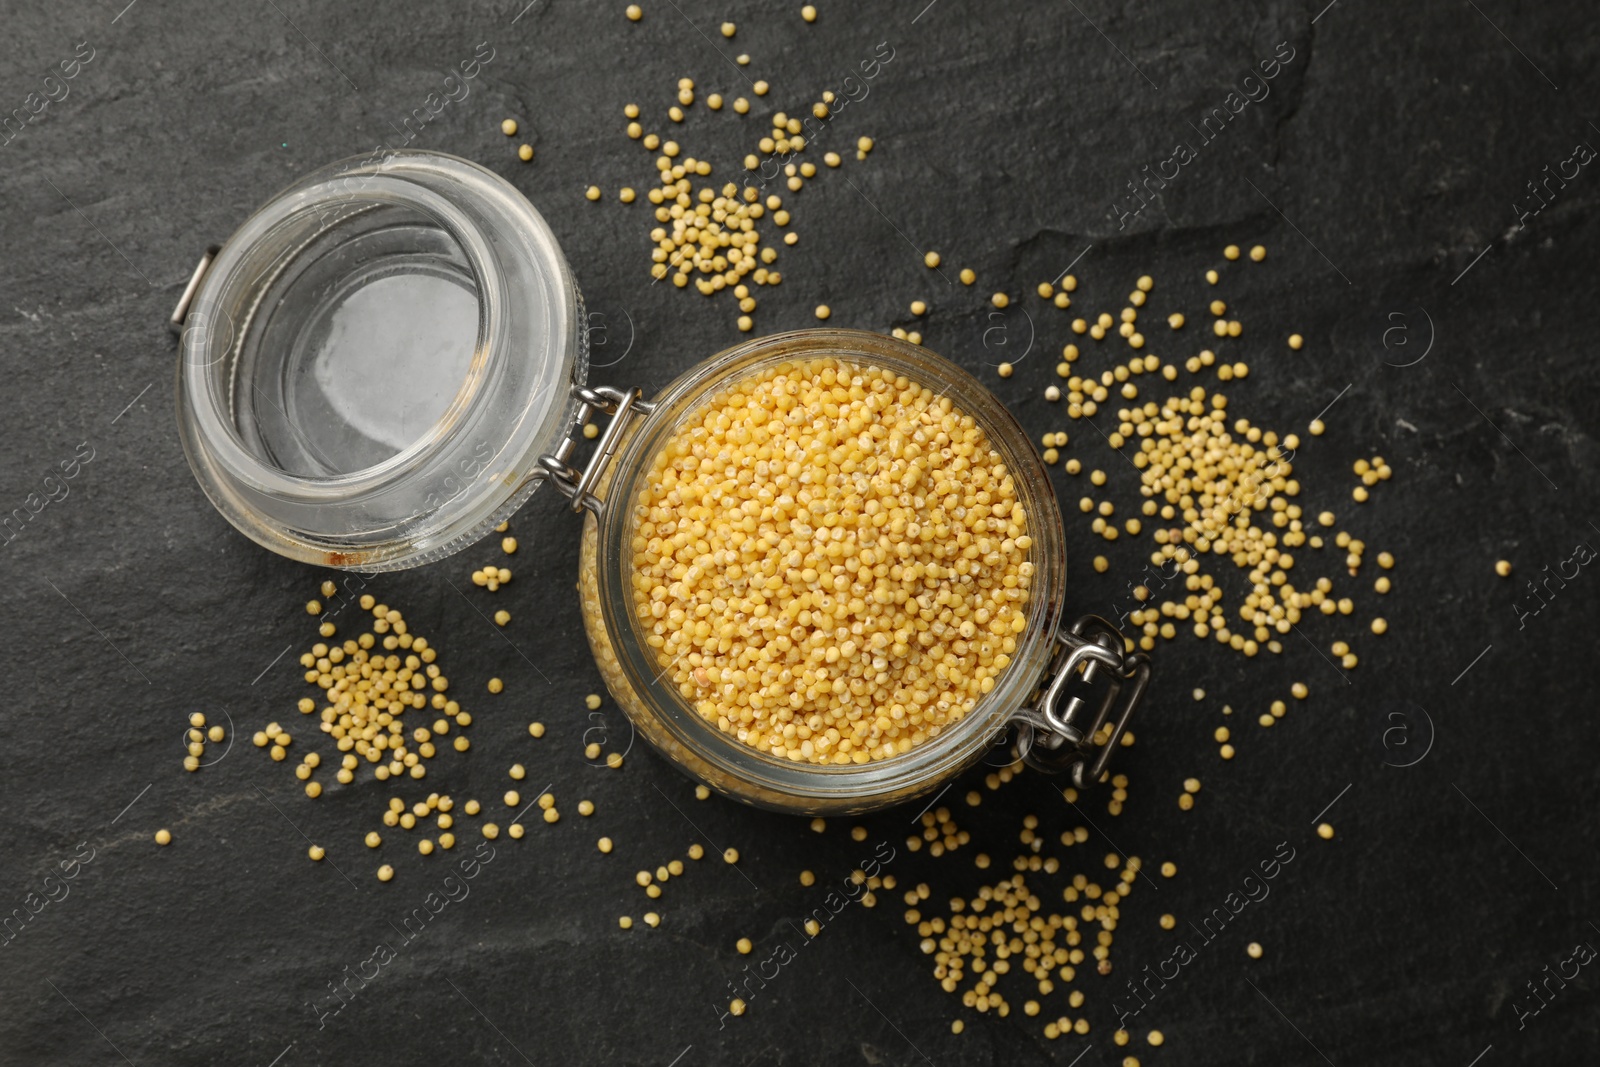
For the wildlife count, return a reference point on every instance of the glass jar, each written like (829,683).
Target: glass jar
(371,368)
(280,325)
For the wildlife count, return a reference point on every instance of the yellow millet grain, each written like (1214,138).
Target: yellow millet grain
(831,562)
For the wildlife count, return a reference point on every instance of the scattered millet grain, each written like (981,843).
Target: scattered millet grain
(163,837)
(1253,950)
(1503,568)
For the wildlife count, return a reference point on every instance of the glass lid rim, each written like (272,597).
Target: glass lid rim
(226,448)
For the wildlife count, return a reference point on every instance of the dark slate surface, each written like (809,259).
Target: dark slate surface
(1393,154)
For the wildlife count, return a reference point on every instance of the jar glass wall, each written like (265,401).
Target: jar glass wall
(373,364)
(675,728)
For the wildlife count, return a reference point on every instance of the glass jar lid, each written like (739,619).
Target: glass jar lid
(372,365)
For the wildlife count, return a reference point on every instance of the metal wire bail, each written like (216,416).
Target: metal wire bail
(578,486)
(1091,668)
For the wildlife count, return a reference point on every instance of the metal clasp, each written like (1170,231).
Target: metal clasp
(1057,732)
(578,486)
(181,312)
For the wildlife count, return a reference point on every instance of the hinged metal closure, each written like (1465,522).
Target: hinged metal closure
(578,486)
(1090,666)
(181,312)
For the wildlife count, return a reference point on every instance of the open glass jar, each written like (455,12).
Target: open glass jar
(448,269)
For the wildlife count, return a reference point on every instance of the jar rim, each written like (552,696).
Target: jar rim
(959,744)
(473,464)
(227,448)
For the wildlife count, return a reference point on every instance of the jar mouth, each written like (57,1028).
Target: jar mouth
(373,363)
(219,362)
(958,744)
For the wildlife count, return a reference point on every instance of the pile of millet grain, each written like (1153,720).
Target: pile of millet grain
(831,562)
(710,235)
(366,685)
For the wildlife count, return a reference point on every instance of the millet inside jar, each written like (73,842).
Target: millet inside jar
(830,562)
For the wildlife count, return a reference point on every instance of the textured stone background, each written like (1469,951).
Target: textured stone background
(1381,172)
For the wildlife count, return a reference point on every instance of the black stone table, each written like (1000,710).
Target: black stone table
(1421,176)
